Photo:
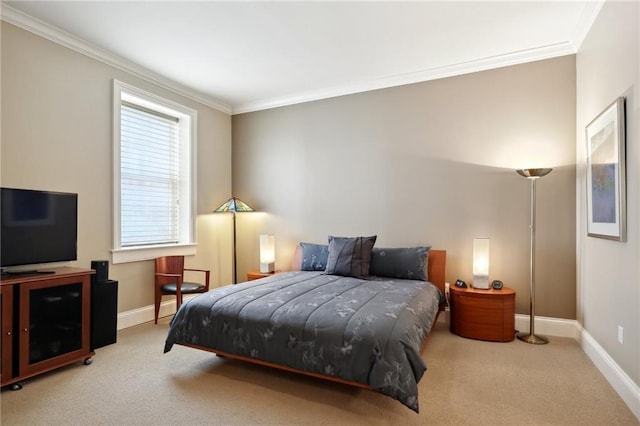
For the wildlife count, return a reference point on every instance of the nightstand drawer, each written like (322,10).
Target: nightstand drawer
(495,333)
(482,315)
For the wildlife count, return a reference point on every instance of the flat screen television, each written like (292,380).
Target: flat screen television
(37,227)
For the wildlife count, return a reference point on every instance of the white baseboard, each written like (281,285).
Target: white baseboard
(619,380)
(548,326)
(141,315)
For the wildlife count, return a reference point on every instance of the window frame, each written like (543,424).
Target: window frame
(187,130)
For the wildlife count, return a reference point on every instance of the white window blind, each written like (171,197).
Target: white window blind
(149,177)
(154,176)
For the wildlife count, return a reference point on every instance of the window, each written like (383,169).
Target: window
(154,158)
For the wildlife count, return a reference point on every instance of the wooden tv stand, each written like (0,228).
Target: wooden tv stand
(46,322)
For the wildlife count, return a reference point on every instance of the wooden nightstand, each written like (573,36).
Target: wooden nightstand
(483,314)
(255,274)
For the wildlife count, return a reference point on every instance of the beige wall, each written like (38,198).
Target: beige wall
(608,66)
(57,135)
(430,163)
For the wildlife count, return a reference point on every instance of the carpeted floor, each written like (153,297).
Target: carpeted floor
(468,382)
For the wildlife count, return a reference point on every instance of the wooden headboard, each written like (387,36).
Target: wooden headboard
(436,267)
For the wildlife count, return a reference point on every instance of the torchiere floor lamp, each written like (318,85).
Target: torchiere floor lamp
(533,175)
(234,205)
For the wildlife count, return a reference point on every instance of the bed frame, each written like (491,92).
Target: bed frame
(436,270)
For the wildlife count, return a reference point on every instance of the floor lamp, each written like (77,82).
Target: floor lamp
(533,175)
(234,205)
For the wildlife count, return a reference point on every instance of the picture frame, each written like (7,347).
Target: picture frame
(606,174)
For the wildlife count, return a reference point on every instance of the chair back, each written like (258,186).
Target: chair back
(170,265)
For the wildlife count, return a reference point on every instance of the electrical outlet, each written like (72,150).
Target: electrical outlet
(620,334)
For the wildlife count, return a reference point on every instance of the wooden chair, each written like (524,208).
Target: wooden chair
(169,280)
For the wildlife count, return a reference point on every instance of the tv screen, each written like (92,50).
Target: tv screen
(37,227)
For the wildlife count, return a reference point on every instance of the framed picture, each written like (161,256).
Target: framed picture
(606,174)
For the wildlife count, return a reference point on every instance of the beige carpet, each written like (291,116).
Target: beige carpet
(468,382)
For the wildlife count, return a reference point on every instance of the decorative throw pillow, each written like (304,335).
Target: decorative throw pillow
(410,263)
(314,257)
(350,257)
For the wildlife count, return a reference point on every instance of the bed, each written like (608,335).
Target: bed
(366,331)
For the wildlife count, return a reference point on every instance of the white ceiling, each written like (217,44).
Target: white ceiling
(244,56)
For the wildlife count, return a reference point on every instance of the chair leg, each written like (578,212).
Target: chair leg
(158,300)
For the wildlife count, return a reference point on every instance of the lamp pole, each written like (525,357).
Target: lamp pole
(234,205)
(533,175)
(235,252)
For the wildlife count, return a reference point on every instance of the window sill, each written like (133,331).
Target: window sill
(137,254)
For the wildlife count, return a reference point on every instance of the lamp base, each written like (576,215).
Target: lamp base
(267,268)
(532,338)
(480,282)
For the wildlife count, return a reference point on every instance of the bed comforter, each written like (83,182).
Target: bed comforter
(367,331)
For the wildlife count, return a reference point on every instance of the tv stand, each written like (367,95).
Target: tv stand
(29,272)
(46,321)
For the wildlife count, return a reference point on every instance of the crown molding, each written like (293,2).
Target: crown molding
(26,22)
(483,64)
(587,18)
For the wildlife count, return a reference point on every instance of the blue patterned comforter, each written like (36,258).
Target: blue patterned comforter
(367,331)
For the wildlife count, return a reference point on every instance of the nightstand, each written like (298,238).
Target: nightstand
(255,274)
(483,314)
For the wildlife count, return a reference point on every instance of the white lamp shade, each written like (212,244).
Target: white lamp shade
(267,253)
(481,263)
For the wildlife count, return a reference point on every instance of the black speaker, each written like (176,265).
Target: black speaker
(102,271)
(104,313)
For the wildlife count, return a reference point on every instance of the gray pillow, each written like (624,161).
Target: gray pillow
(314,257)
(409,263)
(350,257)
